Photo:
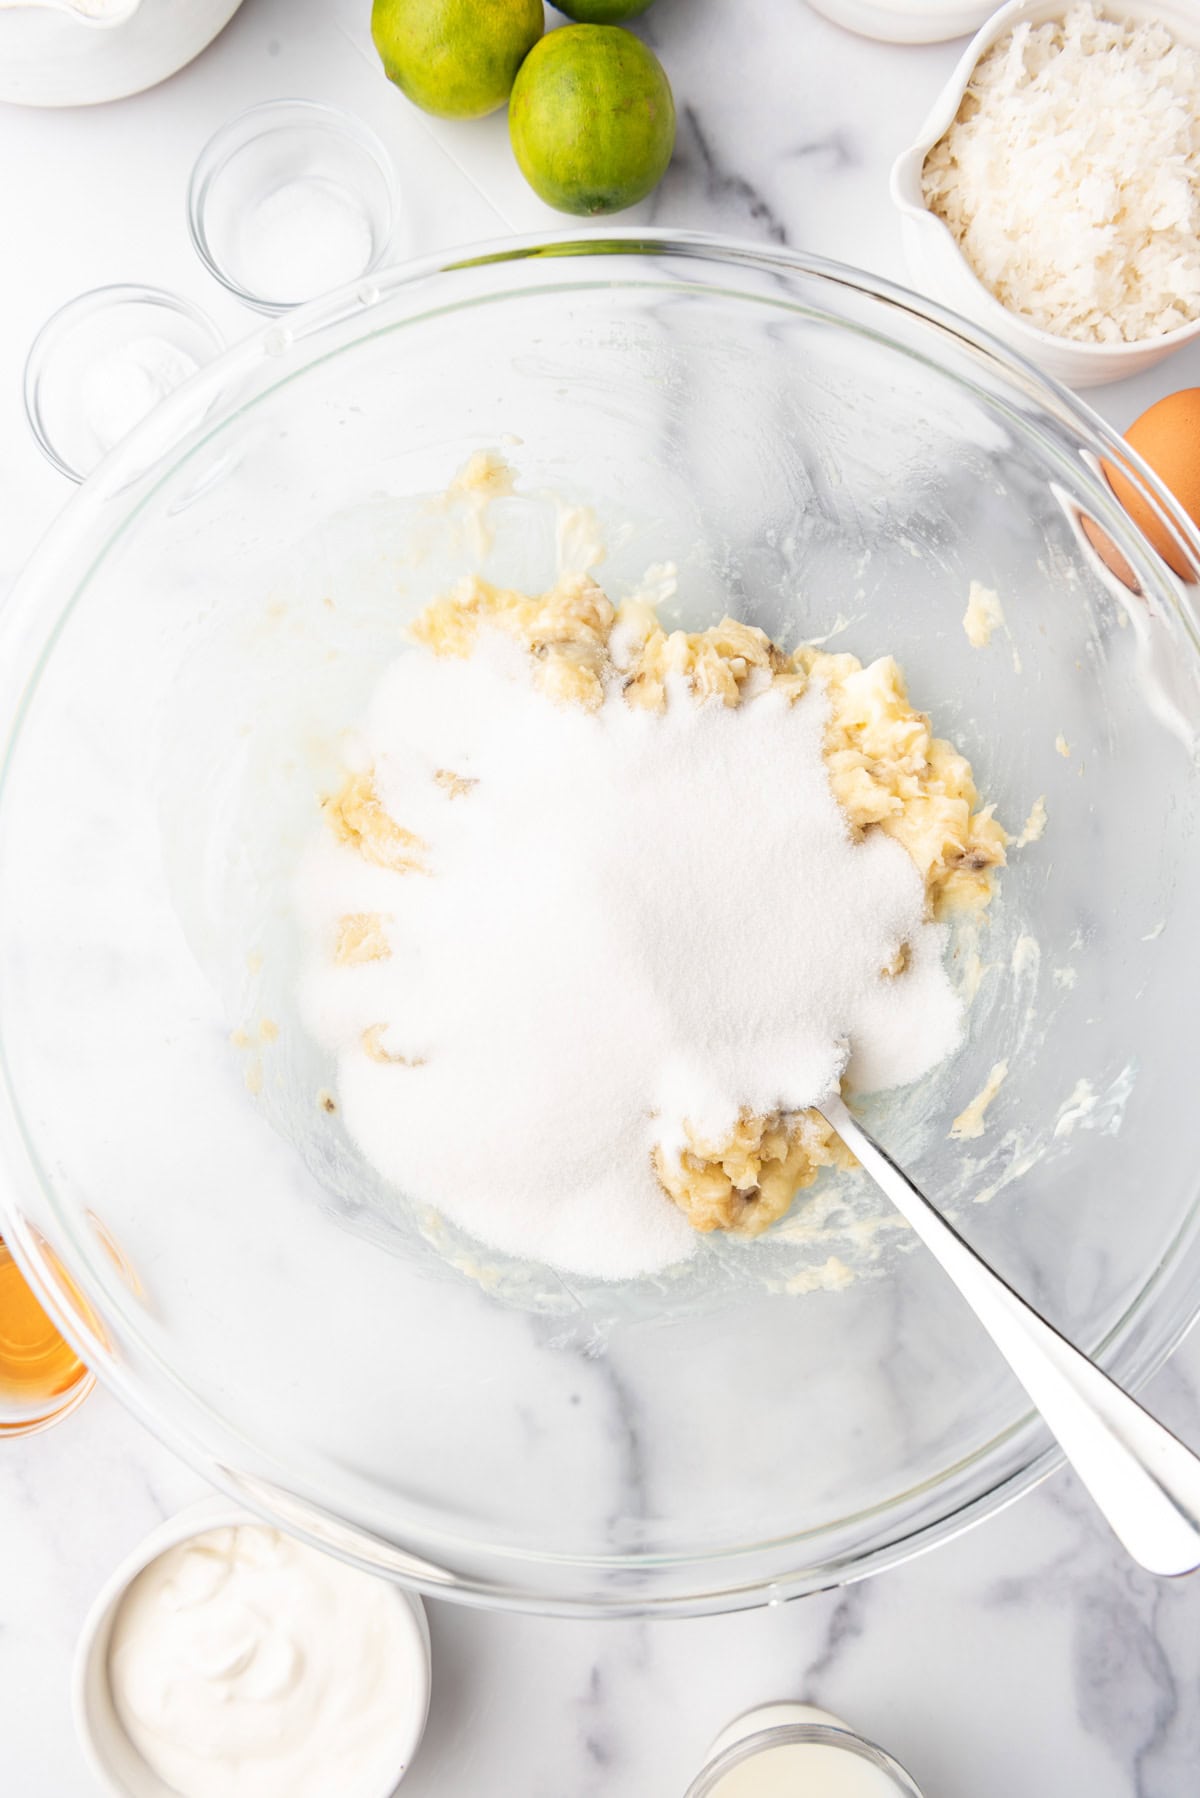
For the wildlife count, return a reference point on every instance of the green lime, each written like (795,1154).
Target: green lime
(603,12)
(456,58)
(592,119)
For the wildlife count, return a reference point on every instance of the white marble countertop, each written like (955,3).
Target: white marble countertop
(1029,1656)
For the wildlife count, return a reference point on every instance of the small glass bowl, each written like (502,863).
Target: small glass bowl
(289,201)
(826,1755)
(42,1379)
(100,363)
(29,1419)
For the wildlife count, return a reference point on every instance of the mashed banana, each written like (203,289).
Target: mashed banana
(747,1181)
(886,769)
(356,816)
(362,936)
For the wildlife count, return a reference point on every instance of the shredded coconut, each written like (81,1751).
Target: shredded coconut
(1070,177)
(624,925)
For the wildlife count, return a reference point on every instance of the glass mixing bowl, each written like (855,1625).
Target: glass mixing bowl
(819,453)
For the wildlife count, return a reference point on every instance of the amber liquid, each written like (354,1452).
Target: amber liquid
(35,1361)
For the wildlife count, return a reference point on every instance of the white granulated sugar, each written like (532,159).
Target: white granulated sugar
(631,919)
(1071,176)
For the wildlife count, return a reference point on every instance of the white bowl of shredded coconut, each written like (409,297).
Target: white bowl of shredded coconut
(1053,194)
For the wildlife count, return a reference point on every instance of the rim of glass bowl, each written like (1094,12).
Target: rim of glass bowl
(181,427)
(237,134)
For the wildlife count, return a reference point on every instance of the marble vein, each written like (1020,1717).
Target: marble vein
(722,186)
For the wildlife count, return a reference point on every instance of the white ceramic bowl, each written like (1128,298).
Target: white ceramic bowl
(905,21)
(939,268)
(111,1755)
(52,54)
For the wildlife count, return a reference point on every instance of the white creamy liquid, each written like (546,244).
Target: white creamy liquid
(805,1770)
(245,1665)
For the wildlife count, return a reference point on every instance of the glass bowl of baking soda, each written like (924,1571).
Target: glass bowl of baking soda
(370,1013)
(103,362)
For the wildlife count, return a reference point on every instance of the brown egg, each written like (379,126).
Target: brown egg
(1108,553)
(1168,437)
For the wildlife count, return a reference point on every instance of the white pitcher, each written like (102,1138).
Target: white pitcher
(76,52)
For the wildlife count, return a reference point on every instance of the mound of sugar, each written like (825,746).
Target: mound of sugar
(629,920)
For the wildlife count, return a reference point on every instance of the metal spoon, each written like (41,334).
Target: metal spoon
(1144,1480)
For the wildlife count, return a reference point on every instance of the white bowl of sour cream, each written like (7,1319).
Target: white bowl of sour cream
(226,1659)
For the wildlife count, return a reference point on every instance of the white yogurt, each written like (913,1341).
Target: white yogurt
(245,1665)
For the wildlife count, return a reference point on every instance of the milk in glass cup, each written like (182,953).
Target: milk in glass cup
(797,1751)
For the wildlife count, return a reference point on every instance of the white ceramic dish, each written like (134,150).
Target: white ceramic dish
(939,268)
(905,21)
(53,54)
(113,1759)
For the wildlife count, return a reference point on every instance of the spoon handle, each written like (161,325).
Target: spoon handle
(1143,1479)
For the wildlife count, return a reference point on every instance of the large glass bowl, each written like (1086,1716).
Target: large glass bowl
(819,453)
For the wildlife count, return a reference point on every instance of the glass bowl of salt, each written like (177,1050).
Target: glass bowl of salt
(798,1751)
(289,201)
